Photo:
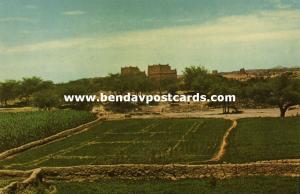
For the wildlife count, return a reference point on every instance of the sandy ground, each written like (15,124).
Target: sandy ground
(217,113)
(211,113)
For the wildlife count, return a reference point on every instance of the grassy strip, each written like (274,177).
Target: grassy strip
(245,185)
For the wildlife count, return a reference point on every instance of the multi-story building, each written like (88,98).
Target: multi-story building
(132,71)
(161,72)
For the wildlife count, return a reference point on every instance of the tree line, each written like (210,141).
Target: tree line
(282,91)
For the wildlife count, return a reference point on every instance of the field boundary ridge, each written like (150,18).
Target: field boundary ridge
(285,167)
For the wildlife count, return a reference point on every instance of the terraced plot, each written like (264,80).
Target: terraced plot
(130,141)
(257,139)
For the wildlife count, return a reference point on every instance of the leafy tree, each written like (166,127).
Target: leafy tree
(193,75)
(224,86)
(9,90)
(282,91)
(45,99)
(198,79)
(75,89)
(32,85)
(121,84)
(91,85)
(113,83)
(169,85)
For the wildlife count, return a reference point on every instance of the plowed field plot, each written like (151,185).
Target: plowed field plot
(152,141)
(257,139)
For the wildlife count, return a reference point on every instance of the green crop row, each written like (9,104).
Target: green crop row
(23,127)
(245,185)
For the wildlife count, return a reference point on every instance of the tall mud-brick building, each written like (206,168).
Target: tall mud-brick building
(129,71)
(161,72)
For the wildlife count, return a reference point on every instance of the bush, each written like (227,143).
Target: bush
(45,99)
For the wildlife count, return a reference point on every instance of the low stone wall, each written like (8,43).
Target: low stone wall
(144,171)
(172,172)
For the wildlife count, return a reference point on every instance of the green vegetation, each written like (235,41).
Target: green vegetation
(264,139)
(131,141)
(245,185)
(162,141)
(23,127)
(282,91)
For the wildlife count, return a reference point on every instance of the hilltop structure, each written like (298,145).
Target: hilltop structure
(156,72)
(129,70)
(161,72)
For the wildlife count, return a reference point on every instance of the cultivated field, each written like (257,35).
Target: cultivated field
(165,141)
(18,128)
(257,139)
(155,141)
(193,143)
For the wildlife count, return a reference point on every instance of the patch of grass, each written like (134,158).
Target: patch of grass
(18,128)
(257,139)
(245,185)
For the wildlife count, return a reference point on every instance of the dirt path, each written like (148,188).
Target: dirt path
(50,139)
(218,156)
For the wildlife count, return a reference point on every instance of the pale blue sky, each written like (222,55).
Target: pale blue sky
(70,39)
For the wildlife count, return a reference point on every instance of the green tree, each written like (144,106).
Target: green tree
(75,89)
(34,84)
(9,90)
(45,99)
(282,91)
(121,84)
(224,86)
(169,85)
(198,79)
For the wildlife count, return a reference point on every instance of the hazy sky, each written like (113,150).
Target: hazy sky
(70,39)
